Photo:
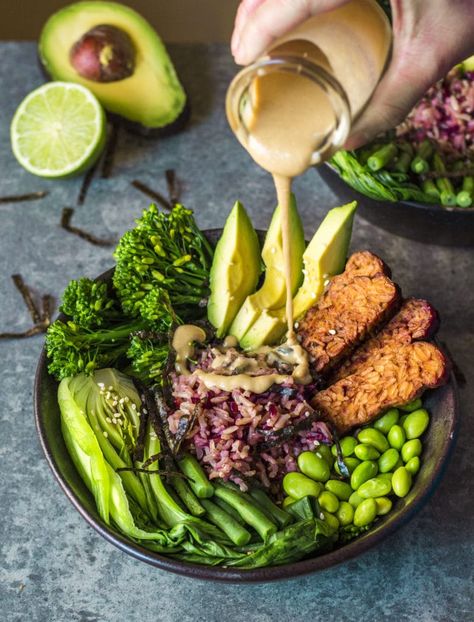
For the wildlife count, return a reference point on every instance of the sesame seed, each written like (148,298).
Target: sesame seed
(105,434)
(331,331)
(107,395)
(134,407)
(108,419)
(111,388)
(145,411)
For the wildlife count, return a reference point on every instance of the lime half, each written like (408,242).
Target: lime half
(58,130)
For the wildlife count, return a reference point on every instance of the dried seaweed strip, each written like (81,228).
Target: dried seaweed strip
(174,187)
(274,438)
(34,330)
(47,306)
(66,218)
(109,152)
(185,424)
(152,194)
(30,196)
(154,472)
(27,298)
(139,450)
(463,172)
(86,183)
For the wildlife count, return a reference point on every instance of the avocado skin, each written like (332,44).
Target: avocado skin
(147,43)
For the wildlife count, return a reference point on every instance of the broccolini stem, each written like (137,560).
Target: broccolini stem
(429,188)
(281,517)
(231,527)
(196,476)
(187,496)
(445,187)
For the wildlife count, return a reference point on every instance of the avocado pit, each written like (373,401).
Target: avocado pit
(103,54)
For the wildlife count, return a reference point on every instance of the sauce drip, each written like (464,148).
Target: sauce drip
(183,342)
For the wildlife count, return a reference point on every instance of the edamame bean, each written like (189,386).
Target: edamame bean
(371,436)
(384,505)
(365,513)
(411,449)
(355,499)
(351,464)
(375,487)
(413,465)
(411,406)
(287,501)
(388,460)
(401,421)
(347,444)
(331,520)
(342,490)
(401,482)
(416,423)
(328,501)
(387,476)
(366,452)
(324,451)
(297,485)
(313,466)
(396,437)
(366,470)
(385,422)
(345,513)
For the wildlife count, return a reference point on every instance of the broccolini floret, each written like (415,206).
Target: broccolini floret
(164,252)
(89,303)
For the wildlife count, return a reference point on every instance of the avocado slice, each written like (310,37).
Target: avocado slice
(324,257)
(151,97)
(235,269)
(272,294)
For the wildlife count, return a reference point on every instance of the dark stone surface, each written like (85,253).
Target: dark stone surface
(53,567)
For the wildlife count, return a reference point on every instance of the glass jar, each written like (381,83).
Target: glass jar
(295,105)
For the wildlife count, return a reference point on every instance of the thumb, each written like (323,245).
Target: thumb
(271,19)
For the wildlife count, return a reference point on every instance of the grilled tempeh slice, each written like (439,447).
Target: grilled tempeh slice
(354,305)
(390,379)
(416,320)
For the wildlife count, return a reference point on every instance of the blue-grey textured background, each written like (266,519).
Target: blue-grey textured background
(53,567)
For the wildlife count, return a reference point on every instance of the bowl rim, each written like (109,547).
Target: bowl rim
(429,207)
(237,575)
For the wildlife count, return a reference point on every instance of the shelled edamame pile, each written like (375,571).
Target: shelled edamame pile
(360,477)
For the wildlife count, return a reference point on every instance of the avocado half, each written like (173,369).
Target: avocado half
(151,101)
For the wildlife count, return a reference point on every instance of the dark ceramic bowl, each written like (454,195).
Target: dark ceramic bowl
(437,447)
(432,224)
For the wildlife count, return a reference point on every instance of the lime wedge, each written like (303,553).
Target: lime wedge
(58,130)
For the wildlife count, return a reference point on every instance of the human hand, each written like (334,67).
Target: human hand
(429,37)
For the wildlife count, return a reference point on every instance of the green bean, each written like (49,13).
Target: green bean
(298,486)
(355,499)
(382,157)
(331,520)
(388,460)
(313,466)
(463,199)
(365,512)
(187,496)
(345,513)
(252,515)
(233,529)
(351,464)
(347,445)
(423,154)
(373,437)
(275,513)
(401,482)
(342,490)
(444,185)
(429,187)
(196,477)
(229,509)
(396,437)
(384,505)
(366,470)
(324,451)
(328,501)
(416,423)
(411,449)
(375,487)
(411,406)
(366,452)
(387,420)
(402,163)
(413,465)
